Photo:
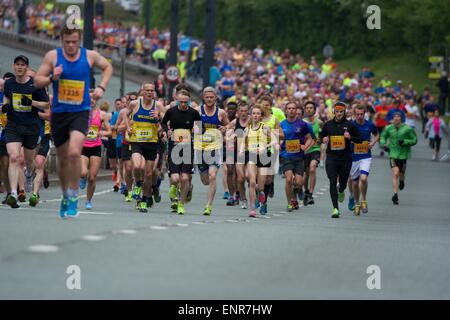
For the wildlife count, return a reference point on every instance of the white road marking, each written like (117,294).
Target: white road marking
(43,248)
(92,237)
(158,228)
(199,223)
(320,193)
(96,213)
(323,189)
(82,196)
(127,232)
(183,225)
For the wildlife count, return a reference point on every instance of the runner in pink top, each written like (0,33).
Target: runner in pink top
(92,150)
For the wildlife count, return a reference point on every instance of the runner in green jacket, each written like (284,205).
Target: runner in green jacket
(397,139)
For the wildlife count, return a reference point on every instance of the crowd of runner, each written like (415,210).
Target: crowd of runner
(268,114)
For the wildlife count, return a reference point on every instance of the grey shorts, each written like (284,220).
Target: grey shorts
(295,165)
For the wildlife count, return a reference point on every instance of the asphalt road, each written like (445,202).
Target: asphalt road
(302,255)
(297,255)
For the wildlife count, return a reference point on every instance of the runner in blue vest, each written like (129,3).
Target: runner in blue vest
(69,69)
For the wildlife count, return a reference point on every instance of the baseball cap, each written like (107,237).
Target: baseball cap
(23,58)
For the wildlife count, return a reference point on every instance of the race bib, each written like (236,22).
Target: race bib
(143,133)
(47,129)
(208,137)
(17,102)
(361,148)
(181,136)
(253,147)
(337,143)
(293,146)
(70,91)
(92,133)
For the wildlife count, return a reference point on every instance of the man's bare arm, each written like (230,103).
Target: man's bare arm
(42,78)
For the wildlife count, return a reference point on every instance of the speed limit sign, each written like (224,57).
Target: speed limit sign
(172,74)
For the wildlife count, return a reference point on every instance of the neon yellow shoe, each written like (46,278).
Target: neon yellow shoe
(336,214)
(208,211)
(180,209)
(357,210)
(129,197)
(172,192)
(365,208)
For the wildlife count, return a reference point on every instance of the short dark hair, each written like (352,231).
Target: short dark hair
(66,30)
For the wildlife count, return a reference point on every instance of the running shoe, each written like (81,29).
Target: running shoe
(143,207)
(189,195)
(263,209)
(357,209)
(395,199)
(310,199)
(83,182)
(237,199)
(72,207)
(207,211)
(123,188)
(341,196)
(172,193)
(63,208)
(34,200)
(336,214)
(290,208)
(226,195)
(351,203)
(257,203)
(129,197)
(230,202)
(29,179)
(180,208)
(89,205)
(22,196)
(136,192)
(244,204)
(156,195)
(252,214)
(401,185)
(116,187)
(174,206)
(306,199)
(149,202)
(364,207)
(12,201)
(295,205)
(46,182)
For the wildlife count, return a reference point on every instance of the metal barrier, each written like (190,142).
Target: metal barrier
(117,62)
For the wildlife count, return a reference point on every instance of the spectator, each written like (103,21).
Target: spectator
(443,85)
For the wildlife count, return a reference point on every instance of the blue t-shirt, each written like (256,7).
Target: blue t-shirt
(366,130)
(294,136)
